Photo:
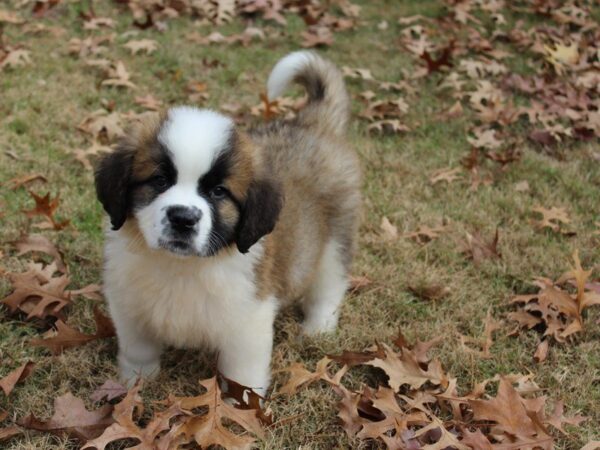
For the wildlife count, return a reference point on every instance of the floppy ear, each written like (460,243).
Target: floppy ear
(259,214)
(112,185)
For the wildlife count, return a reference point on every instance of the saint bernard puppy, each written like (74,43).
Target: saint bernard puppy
(213,227)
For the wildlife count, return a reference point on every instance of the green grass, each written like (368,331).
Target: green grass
(41,106)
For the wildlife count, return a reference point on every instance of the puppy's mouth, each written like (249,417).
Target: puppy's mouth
(178,246)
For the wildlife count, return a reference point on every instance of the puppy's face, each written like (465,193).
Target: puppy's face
(189,183)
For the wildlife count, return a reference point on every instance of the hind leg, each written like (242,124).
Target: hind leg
(322,303)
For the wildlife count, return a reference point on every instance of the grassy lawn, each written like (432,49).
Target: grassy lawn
(42,104)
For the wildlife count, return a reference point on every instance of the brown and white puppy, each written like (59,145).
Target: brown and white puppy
(213,228)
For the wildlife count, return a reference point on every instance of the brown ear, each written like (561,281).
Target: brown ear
(259,213)
(112,185)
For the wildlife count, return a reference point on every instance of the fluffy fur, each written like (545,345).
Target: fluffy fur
(214,228)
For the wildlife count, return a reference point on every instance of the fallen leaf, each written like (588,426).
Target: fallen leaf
(430,292)
(316,36)
(123,425)
(448,175)
(477,248)
(40,243)
(108,391)
(388,126)
(46,206)
(17,182)
(389,232)
(8,383)
(65,337)
(118,76)
(491,325)
(71,418)
(522,186)
(551,218)
(37,292)
(300,376)
(15,58)
(425,234)
(208,429)
(147,46)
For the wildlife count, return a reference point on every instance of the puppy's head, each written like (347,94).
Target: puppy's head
(191,183)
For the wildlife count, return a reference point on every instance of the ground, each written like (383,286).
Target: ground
(43,103)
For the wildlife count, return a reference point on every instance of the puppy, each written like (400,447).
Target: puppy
(213,228)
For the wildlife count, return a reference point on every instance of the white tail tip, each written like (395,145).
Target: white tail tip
(285,71)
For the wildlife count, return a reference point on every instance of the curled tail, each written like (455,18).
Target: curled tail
(328,107)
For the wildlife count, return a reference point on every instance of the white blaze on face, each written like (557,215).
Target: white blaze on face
(194,139)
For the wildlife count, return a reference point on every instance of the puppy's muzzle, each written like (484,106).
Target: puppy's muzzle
(183,219)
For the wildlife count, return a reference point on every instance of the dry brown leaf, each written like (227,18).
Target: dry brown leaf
(300,376)
(389,232)
(208,429)
(7,384)
(425,234)
(429,291)
(96,23)
(10,17)
(448,175)
(15,58)
(9,432)
(551,218)
(109,390)
(149,102)
(477,248)
(316,36)
(484,345)
(83,155)
(103,126)
(485,139)
(37,292)
(118,76)
(147,46)
(557,311)
(22,180)
(388,126)
(541,353)
(46,206)
(65,337)
(40,243)
(404,369)
(123,425)
(358,283)
(71,418)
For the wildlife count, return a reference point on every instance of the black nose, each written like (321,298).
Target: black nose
(183,218)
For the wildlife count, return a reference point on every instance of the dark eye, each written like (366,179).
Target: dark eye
(218,192)
(160,182)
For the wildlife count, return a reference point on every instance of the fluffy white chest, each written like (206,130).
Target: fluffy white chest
(183,302)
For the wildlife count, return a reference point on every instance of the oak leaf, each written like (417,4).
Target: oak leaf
(46,206)
(404,369)
(71,418)
(477,248)
(389,232)
(109,390)
(448,175)
(300,376)
(208,429)
(37,292)
(8,383)
(22,180)
(123,425)
(147,46)
(65,337)
(40,243)
(551,218)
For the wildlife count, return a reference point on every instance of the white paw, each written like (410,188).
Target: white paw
(319,324)
(130,372)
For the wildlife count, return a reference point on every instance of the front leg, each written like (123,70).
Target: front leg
(139,354)
(245,350)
